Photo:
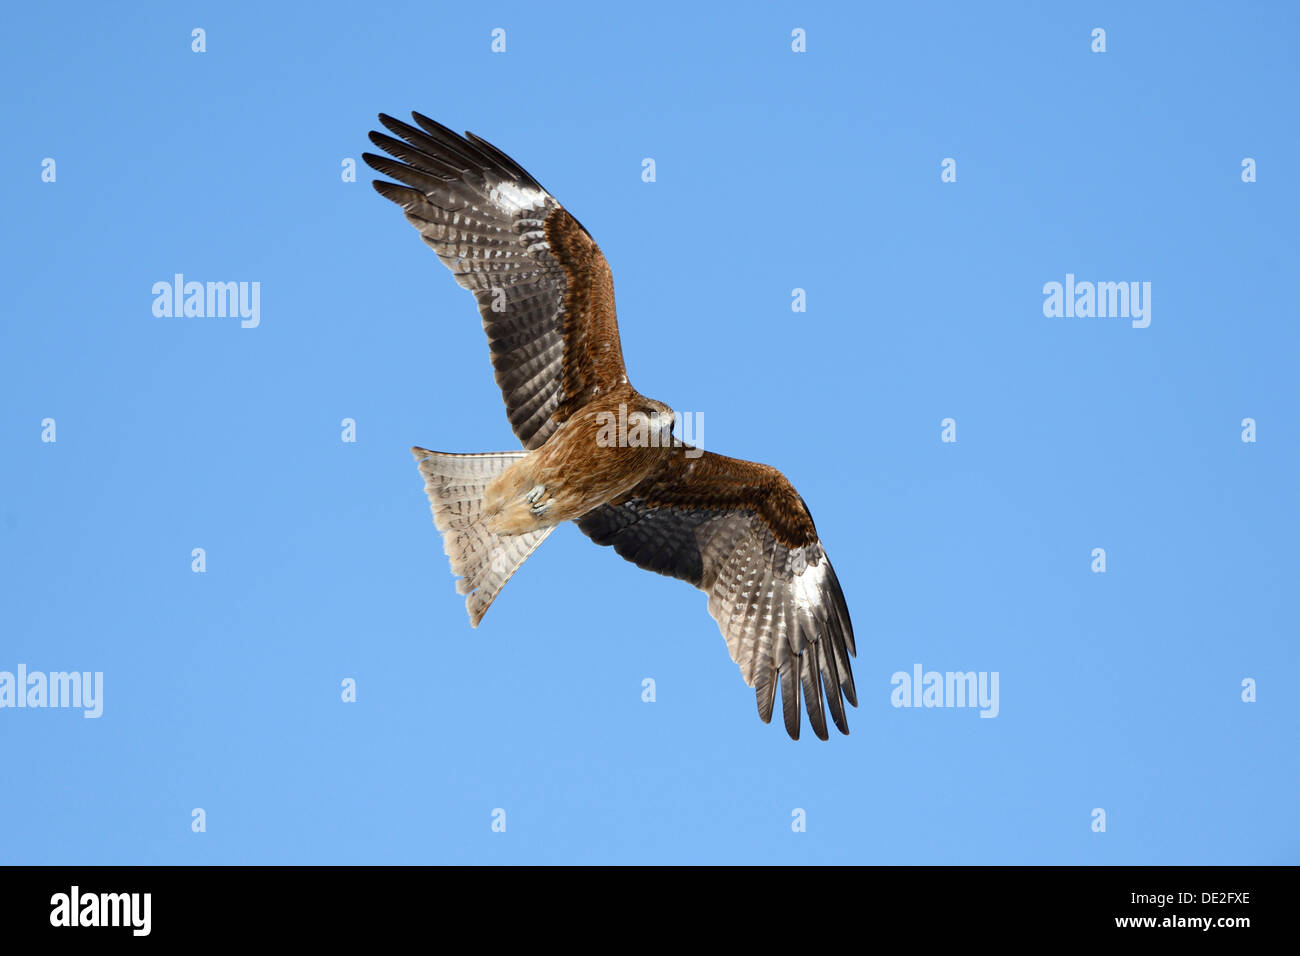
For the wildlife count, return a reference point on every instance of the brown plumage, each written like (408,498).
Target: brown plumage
(596,451)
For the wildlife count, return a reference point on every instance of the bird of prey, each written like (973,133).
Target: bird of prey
(734,529)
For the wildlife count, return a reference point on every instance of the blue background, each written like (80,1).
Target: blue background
(775,171)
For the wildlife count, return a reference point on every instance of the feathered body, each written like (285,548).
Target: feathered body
(587,461)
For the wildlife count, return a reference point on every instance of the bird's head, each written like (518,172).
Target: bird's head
(655,417)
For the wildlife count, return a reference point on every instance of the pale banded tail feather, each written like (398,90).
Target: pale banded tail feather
(482,561)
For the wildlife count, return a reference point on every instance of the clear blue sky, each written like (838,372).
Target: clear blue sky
(775,171)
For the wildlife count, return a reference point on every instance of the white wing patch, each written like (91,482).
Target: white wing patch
(515,199)
(807,584)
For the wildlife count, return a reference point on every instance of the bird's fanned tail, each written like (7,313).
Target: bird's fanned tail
(482,561)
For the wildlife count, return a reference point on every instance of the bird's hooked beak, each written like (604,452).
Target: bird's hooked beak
(666,421)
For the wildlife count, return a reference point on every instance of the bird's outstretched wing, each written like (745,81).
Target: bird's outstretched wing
(543,287)
(740,532)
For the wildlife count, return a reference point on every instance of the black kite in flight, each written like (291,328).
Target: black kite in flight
(734,529)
